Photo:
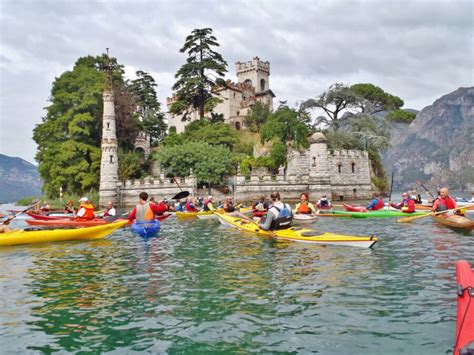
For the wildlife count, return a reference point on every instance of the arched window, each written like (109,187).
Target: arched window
(314,161)
(237,126)
(262,85)
(238,113)
(248,82)
(339,167)
(353,166)
(111,159)
(108,125)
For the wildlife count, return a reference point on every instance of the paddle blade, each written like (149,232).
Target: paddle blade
(180,195)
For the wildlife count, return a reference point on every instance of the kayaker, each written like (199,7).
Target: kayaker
(179,206)
(208,204)
(444,202)
(279,214)
(69,207)
(190,207)
(229,205)
(407,205)
(200,201)
(324,203)
(304,206)
(261,205)
(146,211)
(44,207)
(376,203)
(4,228)
(110,211)
(86,209)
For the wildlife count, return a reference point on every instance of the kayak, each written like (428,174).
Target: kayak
(68,222)
(17,237)
(193,214)
(146,229)
(455,222)
(351,208)
(422,207)
(297,234)
(304,218)
(465,314)
(377,214)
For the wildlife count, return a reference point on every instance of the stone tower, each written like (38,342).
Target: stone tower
(109,160)
(320,165)
(254,72)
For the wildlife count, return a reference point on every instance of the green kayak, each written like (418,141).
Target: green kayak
(375,214)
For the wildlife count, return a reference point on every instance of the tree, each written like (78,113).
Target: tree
(129,165)
(209,163)
(69,137)
(257,116)
(401,116)
(148,108)
(372,99)
(212,133)
(333,102)
(194,83)
(287,124)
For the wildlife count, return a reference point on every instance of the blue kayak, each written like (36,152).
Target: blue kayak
(146,229)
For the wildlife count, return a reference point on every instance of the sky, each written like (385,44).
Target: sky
(417,50)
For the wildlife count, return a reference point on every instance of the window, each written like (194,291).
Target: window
(354,191)
(237,126)
(314,161)
(234,95)
(238,113)
(353,166)
(339,166)
(111,159)
(248,82)
(108,125)
(262,85)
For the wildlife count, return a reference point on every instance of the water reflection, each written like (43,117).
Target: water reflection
(199,287)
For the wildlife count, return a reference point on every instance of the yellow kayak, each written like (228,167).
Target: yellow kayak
(193,214)
(17,237)
(297,234)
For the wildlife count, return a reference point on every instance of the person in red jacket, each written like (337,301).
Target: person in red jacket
(444,202)
(190,207)
(376,203)
(407,205)
(146,211)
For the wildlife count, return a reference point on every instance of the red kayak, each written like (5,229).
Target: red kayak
(43,217)
(465,317)
(354,208)
(69,222)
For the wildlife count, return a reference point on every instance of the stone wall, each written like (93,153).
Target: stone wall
(159,188)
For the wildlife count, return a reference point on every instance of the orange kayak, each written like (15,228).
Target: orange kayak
(459,222)
(69,222)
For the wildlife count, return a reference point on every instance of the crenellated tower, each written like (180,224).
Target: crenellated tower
(109,145)
(254,72)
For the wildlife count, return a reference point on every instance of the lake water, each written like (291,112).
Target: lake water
(202,288)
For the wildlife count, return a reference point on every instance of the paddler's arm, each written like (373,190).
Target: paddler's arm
(132,215)
(268,221)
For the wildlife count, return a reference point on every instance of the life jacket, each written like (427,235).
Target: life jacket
(445,204)
(323,202)
(379,205)
(303,208)
(206,205)
(229,207)
(284,219)
(89,208)
(408,205)
(144,213)
(190,207)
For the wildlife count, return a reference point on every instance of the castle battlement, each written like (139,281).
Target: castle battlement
(349,154)
(254,64)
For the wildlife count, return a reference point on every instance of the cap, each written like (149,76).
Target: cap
(84,199)
(209,197)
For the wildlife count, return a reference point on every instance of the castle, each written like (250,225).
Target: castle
(340,174)
(252,86)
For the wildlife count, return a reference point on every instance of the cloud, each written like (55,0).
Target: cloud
(418,50)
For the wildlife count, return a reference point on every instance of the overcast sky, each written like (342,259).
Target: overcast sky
(417,50)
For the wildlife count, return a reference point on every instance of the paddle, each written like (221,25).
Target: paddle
(409,219)
(180,195)
(4,223)
(244,217)
(419,182)
(391,187)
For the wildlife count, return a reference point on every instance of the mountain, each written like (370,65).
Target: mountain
(438,146)
(18,179)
